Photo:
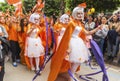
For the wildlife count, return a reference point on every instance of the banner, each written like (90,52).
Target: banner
(12,1)
(18,8)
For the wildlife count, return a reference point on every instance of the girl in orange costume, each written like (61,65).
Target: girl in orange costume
(61,26)
(72,39)
(22,37)
(34,48)
(60,30)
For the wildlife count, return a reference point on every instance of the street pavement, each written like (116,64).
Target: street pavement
(21,73)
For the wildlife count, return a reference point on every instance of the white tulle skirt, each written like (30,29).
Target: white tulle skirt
(79,52)
(35,47)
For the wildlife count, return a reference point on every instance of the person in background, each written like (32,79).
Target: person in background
(117,42)
(13,38)
(97,21)
(112,35)
(2,69)
(3,51)
(22,34)
(90,25)
(101,34)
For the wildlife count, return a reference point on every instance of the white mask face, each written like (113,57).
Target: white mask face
(36,21)
(64,19)
(78,13)
(35,18)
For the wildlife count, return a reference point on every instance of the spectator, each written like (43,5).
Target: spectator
(112,35)
(101,33)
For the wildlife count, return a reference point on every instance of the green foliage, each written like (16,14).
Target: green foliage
(28,5)
(52,6)
(4,6)
(59,6)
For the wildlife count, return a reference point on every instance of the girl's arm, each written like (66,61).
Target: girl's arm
(92,31)
(30,29)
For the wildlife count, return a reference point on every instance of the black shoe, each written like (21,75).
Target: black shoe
(107,58)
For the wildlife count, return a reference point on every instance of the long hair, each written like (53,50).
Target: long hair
(22,24)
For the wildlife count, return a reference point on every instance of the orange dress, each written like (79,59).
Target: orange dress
(58,64)
(21,40)
(58,27)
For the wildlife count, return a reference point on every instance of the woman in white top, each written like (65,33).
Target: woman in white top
(90,25)
(102,33)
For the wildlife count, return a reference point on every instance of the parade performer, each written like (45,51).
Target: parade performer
(34,48)
(73,40)
(22,34)
(60,28)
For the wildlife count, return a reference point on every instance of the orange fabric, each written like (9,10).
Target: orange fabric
(83,5)
(38,6)
(12,1)
(43,33)
(21,39)
(57,62)
(18,8)
(13,33)
(28,61)
(57,27)
(58,57)
(65,66)
(82,35)
(42,22)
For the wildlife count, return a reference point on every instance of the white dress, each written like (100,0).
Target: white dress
(34,47)
(79,52)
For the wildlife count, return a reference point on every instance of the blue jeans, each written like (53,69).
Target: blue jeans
(116,47)
(109,48)
(100,44)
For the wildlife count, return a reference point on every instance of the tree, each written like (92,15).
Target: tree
(4,6)
(28,5)
(60,6)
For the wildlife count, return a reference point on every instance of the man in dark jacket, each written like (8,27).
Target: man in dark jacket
(2,70)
